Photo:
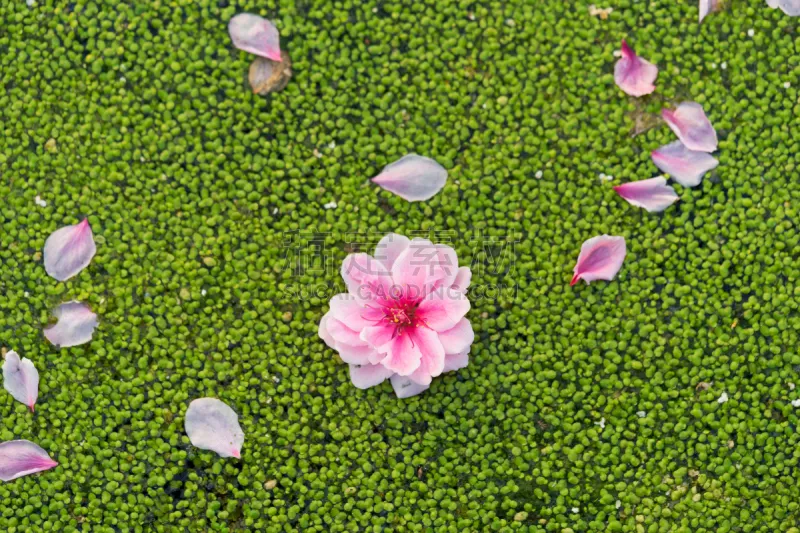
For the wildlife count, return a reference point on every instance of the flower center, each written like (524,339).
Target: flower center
(400,316)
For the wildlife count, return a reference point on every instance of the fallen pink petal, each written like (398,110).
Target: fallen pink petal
(412,177)
(685,166)
(212,425)
(601,257)
(403,317)
(634,75)
(690,124)
(21,458)
(69,250)
(790,7)
(255,35)
(21,379)
(75,326)
(706,7)
(653,195)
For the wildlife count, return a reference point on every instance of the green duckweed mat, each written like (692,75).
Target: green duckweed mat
(583,409)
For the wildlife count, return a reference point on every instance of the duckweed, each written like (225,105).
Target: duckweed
(139,116)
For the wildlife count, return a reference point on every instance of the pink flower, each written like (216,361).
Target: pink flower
(403,315)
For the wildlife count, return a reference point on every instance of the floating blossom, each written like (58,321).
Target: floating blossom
(601,257)
(403,317)
(790,7)
(255,35)
(21,379)
(653,194)
(22,457)
(685,166)
(634,75)
(212,425)
(690,124)
(412,177)
(69,250)
(75,326)
(707,6)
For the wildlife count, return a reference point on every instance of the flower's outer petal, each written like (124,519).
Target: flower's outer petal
(255,35)
(601,257)
(366,278)
(357,355)
(443,309)
(690,124)
(706,7)
(75,326)
(69,250)
(22,457)
(412,177)
(653,194)
(389,248)
(405,387)
(403,357)
(456,361)
(351,311)
(341,334)
(685,166)
(323,331)
(634,75)
(21,379)
(463,279)
(379,337)
(424,266)
(432,361)
(366,376)
(458,338)
(790,7)
(212,425)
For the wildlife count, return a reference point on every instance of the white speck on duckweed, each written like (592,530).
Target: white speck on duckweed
(539,174)
(641,414)
(203,292)
(602,423)
(576,510)
(723,398)
(331,205)
(796,403)
(787,84)
(751,32)
(39,201)
(723,65)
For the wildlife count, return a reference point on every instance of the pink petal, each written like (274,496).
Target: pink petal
(601,257)
(458,338)
(323,331)
(69,250)
(366,376)
(424,266)
(463,279)
(403,357)
(348,310)
(634,75)
(22,457)
(255,35)
(685,166)
(443,309)
(404,387)
(379,337)
(654,194)
(389,249)
(75,326)
(366,278)
(432,361)
(456,361)
(21,379)
(212,425)
(790,7)
(357,355)
(412,177)
(706,7)
(341,334)
(690,124)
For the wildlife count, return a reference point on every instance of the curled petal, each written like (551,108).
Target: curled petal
(255,35)
(323,331)
(456,361)
(405,387)
(690,124)
(22,457)
(389,249)
(634,75)
(366,376)
(424,266)
(443,309)
(69,250)
(706,7)
(350,311)
(212,425)
(432,360)
(458,338)
(654,194)
(366,278)
(412,177)
(790,7)
(75,326)
(21,379)
(462,280)
(685,166)
(601,257)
